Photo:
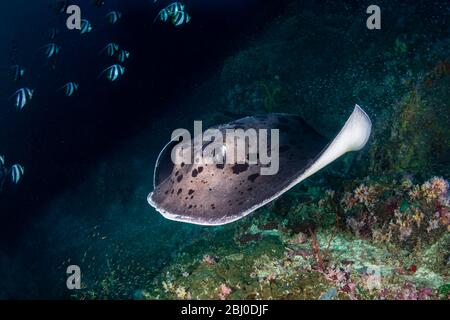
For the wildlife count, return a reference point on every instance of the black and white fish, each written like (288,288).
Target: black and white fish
(162,16)
(123,55)
(181,17)
(17,171)
(174,8)
(113,72)
(18,72)
(176,12)
(114,16)
(111,49)
(69,88)
(22,97)
(86,26)
(53,33)
(169,11)
(51,50)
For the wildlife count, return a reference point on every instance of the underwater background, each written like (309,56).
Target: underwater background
(373,225)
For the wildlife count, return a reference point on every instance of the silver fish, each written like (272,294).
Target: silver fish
(174,8)
(113,72)
(22,97)
(180,18)
(111,49)
(163,15)
(123,55)
(114,16)
(17,171)
(2,160)
(18,72)
(170,11)
(69,88)
(85,26)
(51,49)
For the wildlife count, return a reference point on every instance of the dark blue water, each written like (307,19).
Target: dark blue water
(58,139)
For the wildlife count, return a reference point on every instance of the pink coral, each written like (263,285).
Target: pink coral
(435,188)
(224,291)
(209,259)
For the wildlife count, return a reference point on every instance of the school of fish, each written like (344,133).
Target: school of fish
(174,13)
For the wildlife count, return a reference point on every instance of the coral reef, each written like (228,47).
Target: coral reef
(390,240)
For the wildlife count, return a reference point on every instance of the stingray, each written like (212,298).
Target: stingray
(217,194)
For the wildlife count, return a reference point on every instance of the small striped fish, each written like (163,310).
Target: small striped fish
(175,12)
(22,97)
(111,49)
(123,55)
(113,72)
(113,16)
(51,50)
(174,8)
(69,88)
(86,26)
(17,171)
(18,72)
(180,18)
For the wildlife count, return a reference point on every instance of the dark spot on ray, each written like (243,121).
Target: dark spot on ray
(194,173)
(182,164)
(172,191)
(200,169)
(179,178)
(220,166)
(192,197)
(249,189)
(179,191)
(190,191)
(176,173)
(238,168)
(190,206)
(253,177)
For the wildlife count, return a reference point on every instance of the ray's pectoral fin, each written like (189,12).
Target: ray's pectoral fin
(353,137)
